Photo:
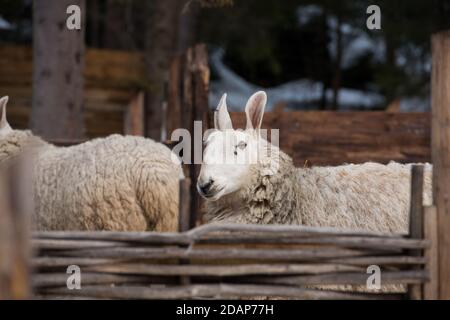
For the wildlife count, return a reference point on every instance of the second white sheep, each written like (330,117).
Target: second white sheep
(245,179)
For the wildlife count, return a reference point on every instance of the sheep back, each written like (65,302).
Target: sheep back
(115,183)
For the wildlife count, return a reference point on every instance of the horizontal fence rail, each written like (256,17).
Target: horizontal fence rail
(227,261)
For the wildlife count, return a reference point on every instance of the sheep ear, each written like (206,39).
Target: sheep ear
(254,110)
(4,125)
(222,120)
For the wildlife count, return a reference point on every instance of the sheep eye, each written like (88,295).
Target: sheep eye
(241,145)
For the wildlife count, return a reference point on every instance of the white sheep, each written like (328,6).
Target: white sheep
(115,183)
(245,179)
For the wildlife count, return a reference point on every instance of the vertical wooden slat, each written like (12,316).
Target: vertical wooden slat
(440,140)
(188,122)
(173,97)
(15,206)
(416,203)
(22,206)
(187,103)
(416,220)
(134,116)
(184,205)
(187,92)
(431,288)
(200,76)
(184,217)
(201,80)
(6,246)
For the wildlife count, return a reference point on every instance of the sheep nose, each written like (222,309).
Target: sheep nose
(206,187)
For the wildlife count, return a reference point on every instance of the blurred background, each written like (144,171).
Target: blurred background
(307,54)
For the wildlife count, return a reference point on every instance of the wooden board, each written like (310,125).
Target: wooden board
(440,96)
(112,79)
(104,68)
(333,138)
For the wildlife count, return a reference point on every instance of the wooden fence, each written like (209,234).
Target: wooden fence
(241,261)
(215,260)
(226,261)
(334,138)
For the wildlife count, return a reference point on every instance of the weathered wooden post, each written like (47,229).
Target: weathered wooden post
(431,288)
(184,205)
(200,78)
(187,103)
(5,239)
(14,231)
(416,220)
(184,217)
(440,142)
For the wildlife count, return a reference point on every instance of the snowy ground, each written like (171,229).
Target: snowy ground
(299,94)
(5,25)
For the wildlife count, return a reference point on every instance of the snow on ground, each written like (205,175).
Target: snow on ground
(298,94)
(5,25)
(415,104)
(305,93)
(356,42)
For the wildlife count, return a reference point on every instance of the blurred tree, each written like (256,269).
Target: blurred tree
(267,43)
(160,48)
(58,63)
(188,25)
(119,18)
(93,23)
(18,14)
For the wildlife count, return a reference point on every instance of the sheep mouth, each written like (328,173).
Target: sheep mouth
(212,195)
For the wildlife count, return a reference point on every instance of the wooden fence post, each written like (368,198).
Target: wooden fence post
(184,205)
(184,217)
(440,143)
(188,102)
(14,231)
(431,288)
(416,220)
(5,239)
(200,78)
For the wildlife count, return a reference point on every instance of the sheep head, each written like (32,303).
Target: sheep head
(5,128)
(230,156)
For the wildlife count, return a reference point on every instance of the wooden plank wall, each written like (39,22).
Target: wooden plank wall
(333,138)
(112,78)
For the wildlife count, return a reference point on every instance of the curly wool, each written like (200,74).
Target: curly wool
(369,196)
(115,183)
